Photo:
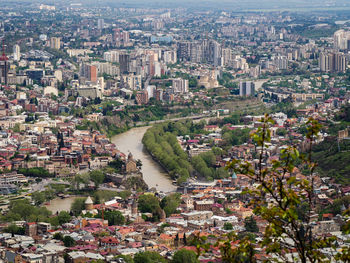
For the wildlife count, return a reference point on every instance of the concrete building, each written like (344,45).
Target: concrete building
(89,72)
(332,62)
(4,67)
(16,53)
(55,43)
(142,97)
(180,85)
(100,24)
(124,61)
(131,81)
(341,40)
(246,88)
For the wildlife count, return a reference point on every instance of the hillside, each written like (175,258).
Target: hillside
(332,162)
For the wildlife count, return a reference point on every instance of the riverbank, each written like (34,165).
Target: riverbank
(59,204)
(153,174)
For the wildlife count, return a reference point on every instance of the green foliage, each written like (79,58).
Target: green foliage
(164,147)
(228,226)
(307,31)
(244,252)
(285,107)
(149,257)
(35,172)
(58,236)
(184,256)
(124,194)
(170,203)
(97,177)
(282,215)
(58,188)
(113,217)
(23,210)
(64,217)
(16,128)
(116,164)
(40,197)
(148,203)
(344,114)
(103,196)
(14,230)
(78,205)
(331,162)
(201,167)
(69,241)
(250,224)
(281,132)
(235,137)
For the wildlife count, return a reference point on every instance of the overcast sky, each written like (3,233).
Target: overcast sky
(220,4)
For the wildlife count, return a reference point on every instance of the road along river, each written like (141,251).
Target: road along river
(153,174)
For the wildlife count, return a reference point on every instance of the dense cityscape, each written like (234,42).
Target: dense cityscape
(174,132)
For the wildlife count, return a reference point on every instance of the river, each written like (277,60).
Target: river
(58,204)
(153,174)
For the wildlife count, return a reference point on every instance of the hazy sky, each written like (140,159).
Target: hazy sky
(239,4)
(221,4)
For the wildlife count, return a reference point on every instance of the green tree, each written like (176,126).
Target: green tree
(38,198)
(281,215)
(170,203)
(35,172)
(149,257)
(124,194)
(69,241)
(58,236)
(114,217)
(148,203)
(23,210)
(281,132)
(16,128)
(184,256)
(97,177)
(64,217)
(14,230)
(78,205)
(250,224)
(228,226)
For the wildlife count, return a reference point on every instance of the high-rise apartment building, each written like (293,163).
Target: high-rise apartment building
(124,61)
(100,24)
(180,85)
(205,51)
(131,81)
(281,62)
(341,40)
(90,72)
(55,43)
(142,97)
(246,88)
(111,56)
(170,57)
(4,66)
(120,37)
(16,53)
(332,62)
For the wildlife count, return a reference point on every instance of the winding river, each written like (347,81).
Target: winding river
(153,174)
